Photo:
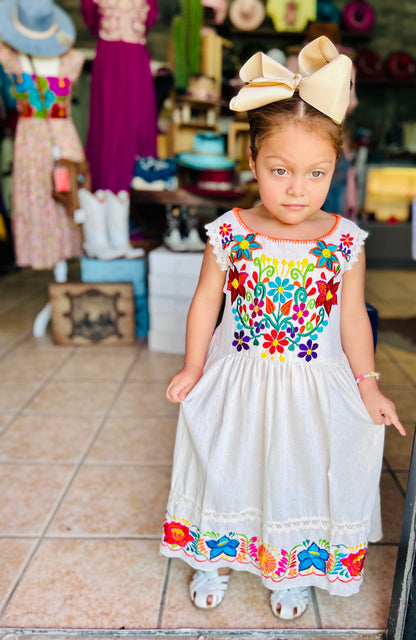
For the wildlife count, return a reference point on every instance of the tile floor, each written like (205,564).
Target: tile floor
(86,442)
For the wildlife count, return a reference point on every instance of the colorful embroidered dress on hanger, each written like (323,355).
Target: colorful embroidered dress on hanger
(277,461)
(123,110)
(43,232)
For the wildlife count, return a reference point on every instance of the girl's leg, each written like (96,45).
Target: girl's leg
(289,603)
(207,588)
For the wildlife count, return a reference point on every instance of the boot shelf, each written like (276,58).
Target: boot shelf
(183,197)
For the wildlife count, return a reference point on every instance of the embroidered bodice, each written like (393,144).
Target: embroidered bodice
(120,20)
(56,89)
(282,295)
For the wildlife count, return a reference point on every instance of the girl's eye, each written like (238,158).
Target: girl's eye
(317,173)
(279,171)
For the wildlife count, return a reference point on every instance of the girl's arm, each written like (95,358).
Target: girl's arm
(357,342)
(202,318)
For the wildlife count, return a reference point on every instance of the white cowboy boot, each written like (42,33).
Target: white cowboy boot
(117,209)
(94,229)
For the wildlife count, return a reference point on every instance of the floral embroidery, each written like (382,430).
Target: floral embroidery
(326,255)
(327,293)
(354,562)
(244,246)
(177,534)
(56,96)
(236,280)
(241,341)
(313,556)
(225,545)
(277,305)
(333,562)
(308,351)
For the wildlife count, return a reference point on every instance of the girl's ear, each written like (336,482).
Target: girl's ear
(252,164)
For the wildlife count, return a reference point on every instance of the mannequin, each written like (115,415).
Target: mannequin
(44,236)
(123,110)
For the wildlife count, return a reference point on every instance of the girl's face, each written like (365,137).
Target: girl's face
(294,168)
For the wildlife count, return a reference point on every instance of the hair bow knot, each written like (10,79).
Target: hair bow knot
(323,81)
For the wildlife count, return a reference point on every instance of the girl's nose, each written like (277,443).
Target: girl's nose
(295,187)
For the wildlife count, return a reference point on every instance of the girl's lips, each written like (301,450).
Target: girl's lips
(295,207)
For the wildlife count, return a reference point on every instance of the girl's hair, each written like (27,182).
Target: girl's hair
(270,119)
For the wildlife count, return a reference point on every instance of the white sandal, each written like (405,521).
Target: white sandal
(292,602)
(208,583)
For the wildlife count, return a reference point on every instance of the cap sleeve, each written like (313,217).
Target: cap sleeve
(216,232)
(352,241)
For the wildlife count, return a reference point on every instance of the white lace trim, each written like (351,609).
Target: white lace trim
(360,237)
(257,515)
(213,236)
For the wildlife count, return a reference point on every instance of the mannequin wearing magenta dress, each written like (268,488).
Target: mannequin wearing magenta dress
(123,111)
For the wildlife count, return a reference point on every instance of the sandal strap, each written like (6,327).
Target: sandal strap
(208,583)
(289,600)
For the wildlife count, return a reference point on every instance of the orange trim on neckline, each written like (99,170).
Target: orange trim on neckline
(262,235)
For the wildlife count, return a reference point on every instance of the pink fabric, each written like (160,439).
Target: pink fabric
(43,233)
(123,109)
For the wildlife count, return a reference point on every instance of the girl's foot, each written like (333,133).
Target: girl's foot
(207,588)
(289,603)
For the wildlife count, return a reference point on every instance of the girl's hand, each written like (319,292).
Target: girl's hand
(381,409)
(182,383)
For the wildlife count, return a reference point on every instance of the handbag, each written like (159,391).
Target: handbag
(68,176)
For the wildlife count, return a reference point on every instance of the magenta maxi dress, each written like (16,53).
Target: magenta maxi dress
(123,110)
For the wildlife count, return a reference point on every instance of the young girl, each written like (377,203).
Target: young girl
(280,434)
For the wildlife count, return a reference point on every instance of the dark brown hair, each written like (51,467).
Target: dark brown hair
(270,119)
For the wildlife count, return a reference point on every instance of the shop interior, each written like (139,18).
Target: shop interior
(86,434)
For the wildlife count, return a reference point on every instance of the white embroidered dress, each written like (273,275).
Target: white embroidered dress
(277,461)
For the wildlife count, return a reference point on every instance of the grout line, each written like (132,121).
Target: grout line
(315,604)
(395,478)
(163,594)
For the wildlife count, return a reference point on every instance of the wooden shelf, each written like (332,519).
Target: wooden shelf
(186,198)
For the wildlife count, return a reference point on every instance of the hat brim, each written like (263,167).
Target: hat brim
(56,45)
(204,161)
(228,194)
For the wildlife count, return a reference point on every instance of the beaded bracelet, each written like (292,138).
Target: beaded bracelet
(372,374)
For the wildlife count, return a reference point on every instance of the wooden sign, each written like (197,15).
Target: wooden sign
(86,314)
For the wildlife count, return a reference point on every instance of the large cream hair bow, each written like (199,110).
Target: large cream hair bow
(323,81)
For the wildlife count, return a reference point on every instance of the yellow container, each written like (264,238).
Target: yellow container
(390,192)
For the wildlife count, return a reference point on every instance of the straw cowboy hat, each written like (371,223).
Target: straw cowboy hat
(36,27)
(247,15)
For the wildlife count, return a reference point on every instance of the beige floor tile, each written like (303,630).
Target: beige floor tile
(5,419)
(29,494)
(114,501)
(368,609)
(63,397)
(13,553)
(98,364)
(87,584)
(30,362)
(47,438)
(392,505)
(135,440)
(15,393)
(145,399)
(397,448)
(246,605)
(152,366)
